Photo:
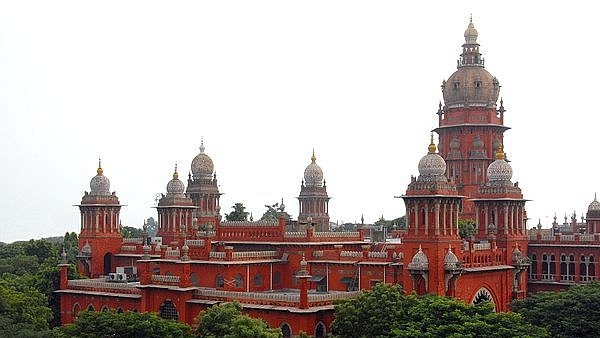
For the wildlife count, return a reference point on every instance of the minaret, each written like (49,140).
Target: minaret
(175,214)
(313,199)
(432,207)
(204,191)
(100,235)
(471,126)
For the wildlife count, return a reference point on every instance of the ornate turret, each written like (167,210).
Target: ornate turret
(175,213)
(313,199)
(203,190)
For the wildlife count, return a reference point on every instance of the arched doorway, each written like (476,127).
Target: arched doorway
(168,310)
(286,330)
(320,330)
(483,295)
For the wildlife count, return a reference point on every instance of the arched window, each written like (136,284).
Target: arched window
(552,266)
(104,308)
(571,267)
(258,279)
(167,310)
(533,267)
(194,279)
(90,307)
(219,281)
(591,268)
(119,310)
(238,281)
(583,274)
(286,330)
(76,309)
(320,330)
(564,272)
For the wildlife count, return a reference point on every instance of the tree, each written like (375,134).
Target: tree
(274,211)
(131,232)
(151,226)
(239,213)
(466,228)
(128,324)
(571,313)
(386,312)
(227,321)
(24,310)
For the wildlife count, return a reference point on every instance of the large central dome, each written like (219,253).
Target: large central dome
(471,84)
(202,165)
(313,175)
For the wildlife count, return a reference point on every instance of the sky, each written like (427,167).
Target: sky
(139,84)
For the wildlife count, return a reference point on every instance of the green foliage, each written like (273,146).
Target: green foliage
(466,228)
(571,313)
(397,223)
(386,312)
(23,309)
(227,321)
(239,213)
(106,324)
(131,232)
(274,211)
(151,226)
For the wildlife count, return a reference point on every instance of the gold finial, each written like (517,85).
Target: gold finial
(202,144)
(99,171)
(432,146)
(175,174)
(500,154)
(313,158)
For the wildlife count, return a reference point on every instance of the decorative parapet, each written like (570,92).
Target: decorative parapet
(294,234)
(131,248)
(102,285)
(172,253)
(217,255)
(336,234)
(255,254)
(378,254)
(137,240)
(195,242)
(249,224)
(273,297)
(533,238)
(318,253)
(165,279)
(481,246)
(356,254)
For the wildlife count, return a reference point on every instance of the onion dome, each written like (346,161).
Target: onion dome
(432,166)
(499,170)
(313,175)
(99,184)
(419,261)
(451,262)
(175,186)
(595,205)
(471,84)
(202,164)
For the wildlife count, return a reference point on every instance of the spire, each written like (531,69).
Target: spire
(313,158)
(202,145)
(175,174)
(470,55)
(99,171)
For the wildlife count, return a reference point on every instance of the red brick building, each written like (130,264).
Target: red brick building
(291,278)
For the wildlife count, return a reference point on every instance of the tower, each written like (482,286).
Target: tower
(175,213)
(313,199)
(432,206)
(100,235)
(593,217)
(204,191)
(471,126)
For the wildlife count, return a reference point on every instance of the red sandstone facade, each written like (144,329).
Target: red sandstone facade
(291,278)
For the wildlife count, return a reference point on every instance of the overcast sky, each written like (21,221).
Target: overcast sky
(139,83)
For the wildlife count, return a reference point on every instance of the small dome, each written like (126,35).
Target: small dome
(517,255)
(451,261)
(313,175)
(499,170)
(595,205)
(99,184)
(202,164)
(419,261)
(432,166)
(86,250)
(175,186)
